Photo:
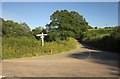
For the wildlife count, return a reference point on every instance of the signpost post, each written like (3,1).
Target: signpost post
(42,37)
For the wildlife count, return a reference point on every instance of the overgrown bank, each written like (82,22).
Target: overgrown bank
(20,41)
(26,47)
(105,39)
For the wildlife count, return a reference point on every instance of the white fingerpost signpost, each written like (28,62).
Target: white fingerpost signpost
(42,37)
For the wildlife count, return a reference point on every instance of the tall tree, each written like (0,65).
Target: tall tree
(67,24)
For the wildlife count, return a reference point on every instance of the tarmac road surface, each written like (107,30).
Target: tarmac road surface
(81,62)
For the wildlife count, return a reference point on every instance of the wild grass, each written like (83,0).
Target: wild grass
(27,47)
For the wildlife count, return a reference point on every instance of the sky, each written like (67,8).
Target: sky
(97,14)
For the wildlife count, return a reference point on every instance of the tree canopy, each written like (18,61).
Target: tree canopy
(37,30)
(11,28)
(67,24)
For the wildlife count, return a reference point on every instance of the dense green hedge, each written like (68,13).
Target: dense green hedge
(109,40)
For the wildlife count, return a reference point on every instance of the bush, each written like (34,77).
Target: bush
(116,33)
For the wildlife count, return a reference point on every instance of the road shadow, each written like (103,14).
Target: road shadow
(100,57)
(89,47)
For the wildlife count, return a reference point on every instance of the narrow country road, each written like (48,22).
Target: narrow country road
(81,62)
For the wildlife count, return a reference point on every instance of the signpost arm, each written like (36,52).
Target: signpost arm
(42,38)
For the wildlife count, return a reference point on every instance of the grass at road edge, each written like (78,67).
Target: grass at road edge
(26,47)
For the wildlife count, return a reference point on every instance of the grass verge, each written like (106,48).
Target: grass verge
(27,47)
